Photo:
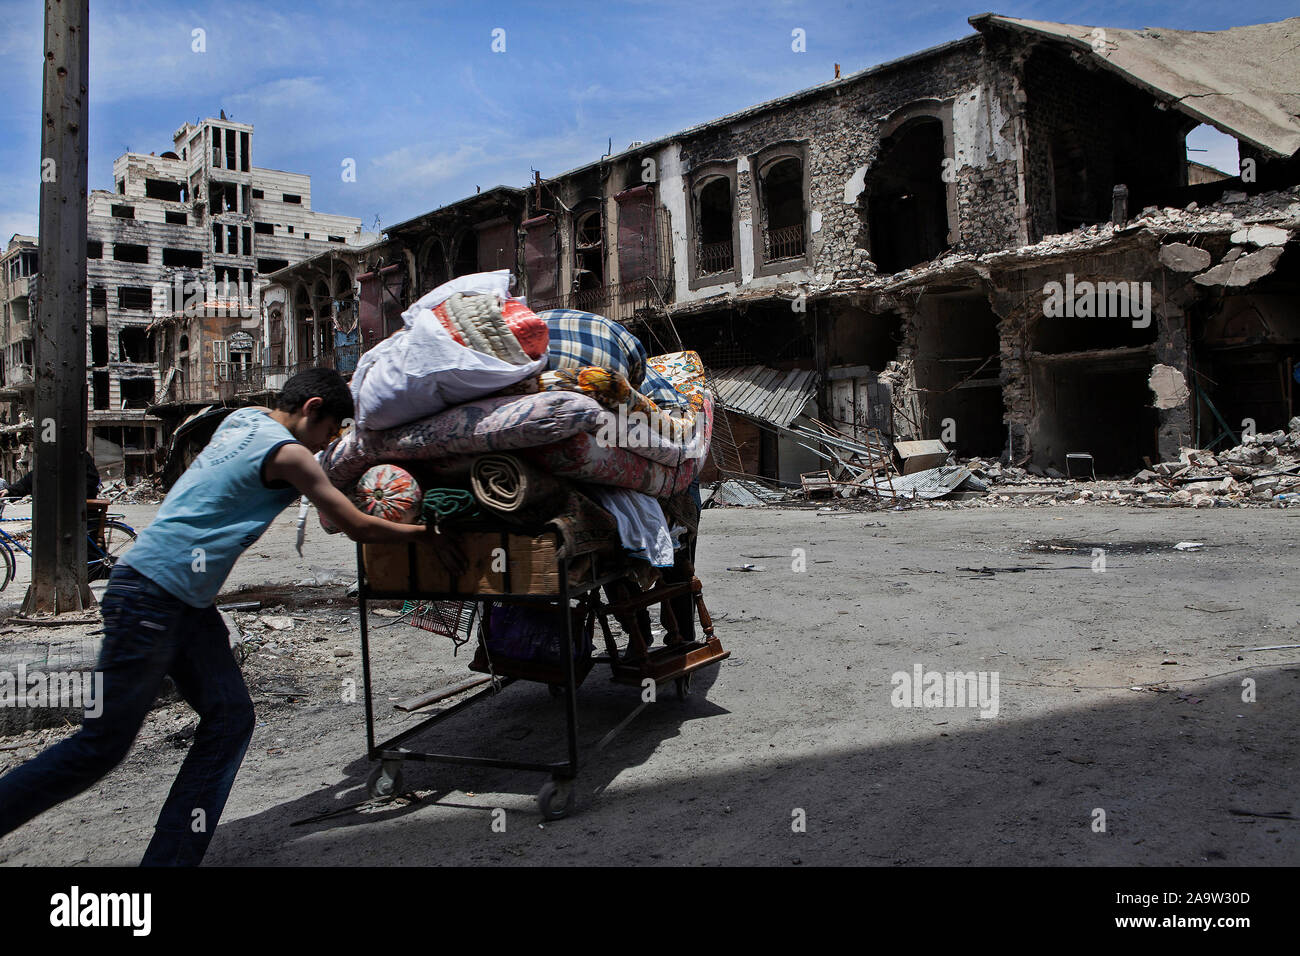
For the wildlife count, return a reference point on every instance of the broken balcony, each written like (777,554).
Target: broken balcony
(715,257)
(786,242)
(620,301)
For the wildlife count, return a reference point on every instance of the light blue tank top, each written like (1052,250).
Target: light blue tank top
(219,507)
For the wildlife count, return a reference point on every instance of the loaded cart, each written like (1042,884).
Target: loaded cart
(537,574)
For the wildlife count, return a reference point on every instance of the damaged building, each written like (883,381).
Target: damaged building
(19,268)
(998,242)
(178,253)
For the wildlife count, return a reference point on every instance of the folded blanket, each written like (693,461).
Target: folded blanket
(579,339)
(507,329)
(582,458)
(490,424)
(612,390)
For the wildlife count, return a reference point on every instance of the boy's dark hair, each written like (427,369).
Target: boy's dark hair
(323,383)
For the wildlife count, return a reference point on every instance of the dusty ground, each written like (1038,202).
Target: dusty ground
(799,718)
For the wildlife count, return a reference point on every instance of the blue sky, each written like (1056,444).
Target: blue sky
(415,95)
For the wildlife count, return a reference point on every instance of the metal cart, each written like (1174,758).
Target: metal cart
(577,579)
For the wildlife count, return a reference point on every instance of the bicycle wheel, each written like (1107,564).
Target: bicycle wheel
(9,567)
(118,538)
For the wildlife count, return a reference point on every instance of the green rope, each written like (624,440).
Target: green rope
(443,504)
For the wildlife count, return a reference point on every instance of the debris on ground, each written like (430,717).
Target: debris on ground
(1263,471)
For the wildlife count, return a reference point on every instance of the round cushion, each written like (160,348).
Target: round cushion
(389,492)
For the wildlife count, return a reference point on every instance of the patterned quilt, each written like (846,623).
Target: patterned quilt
(666,435)
(583,458)
(500,423)
(684,373)
(509,330)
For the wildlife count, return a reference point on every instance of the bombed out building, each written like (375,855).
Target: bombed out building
(177,258)
(998,242)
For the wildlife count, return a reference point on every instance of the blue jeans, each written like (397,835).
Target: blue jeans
(148,633)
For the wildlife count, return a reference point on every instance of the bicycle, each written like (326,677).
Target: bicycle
(107,539)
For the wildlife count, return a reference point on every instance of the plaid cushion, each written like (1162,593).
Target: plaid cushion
(578,339)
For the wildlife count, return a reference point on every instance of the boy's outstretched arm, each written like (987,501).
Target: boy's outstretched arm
(296,465)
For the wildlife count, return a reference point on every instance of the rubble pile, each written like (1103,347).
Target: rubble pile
(1262,472)
(143,492)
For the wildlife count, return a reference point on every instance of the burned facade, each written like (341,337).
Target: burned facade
(999,242)
(19,268)
(177,258)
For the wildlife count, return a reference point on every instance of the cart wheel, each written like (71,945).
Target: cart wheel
(385,781)
(557,690)
(556,799)
(684,686)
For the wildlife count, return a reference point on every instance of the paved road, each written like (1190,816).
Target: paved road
(793,751)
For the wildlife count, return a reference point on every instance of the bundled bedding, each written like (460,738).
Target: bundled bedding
(500,423)
(517,490)
(466,347)
(530,415)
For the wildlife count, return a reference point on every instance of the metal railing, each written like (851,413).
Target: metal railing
(620,301)
(250,379)
(784,243)
(714,257)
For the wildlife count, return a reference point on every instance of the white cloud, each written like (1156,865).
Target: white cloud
(289,93)
(425,165)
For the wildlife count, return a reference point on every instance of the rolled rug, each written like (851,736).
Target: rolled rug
(516,490)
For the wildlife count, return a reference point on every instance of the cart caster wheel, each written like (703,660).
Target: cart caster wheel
(684,686)
(557,690)
(556,799)
(385,781)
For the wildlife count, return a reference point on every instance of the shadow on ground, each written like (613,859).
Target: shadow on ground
(1220,788)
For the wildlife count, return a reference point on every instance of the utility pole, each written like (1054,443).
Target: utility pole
(59,509)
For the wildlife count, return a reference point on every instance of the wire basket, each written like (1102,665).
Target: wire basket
(451,619)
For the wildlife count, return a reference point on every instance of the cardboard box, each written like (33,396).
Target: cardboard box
(921,455)
(496,563)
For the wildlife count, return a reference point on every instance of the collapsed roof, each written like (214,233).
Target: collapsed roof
(1242,81)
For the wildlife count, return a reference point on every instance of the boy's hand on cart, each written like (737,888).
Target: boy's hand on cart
(294,464)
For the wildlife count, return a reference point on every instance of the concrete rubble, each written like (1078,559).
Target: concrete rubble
(1261,472)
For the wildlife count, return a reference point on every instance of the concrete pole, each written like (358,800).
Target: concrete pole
(59,510)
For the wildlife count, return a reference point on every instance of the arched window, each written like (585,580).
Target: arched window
(907,196)
(588,259)
(302,326)
(781,223)
(324,320)
(433,266)
(713,218)
(276,337)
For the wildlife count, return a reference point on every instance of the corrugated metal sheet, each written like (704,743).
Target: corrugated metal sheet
(746,494)
(767,394)
(931,483)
